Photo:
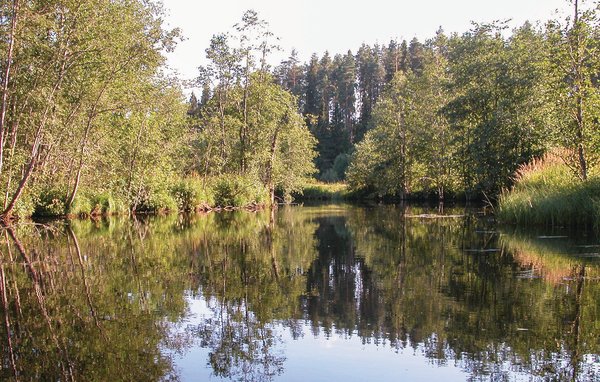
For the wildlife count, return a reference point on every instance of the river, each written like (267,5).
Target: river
(308,293)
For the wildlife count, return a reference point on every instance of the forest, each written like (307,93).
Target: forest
(90,123)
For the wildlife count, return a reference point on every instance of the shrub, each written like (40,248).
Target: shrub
(330,176)
(157,201)
(105,204)
(340,165)
(81,206)
(51,202)
(323,191)
(238,191)
(190,194)
(25,207)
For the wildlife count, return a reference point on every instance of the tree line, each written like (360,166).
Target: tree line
(90,124)
(455,115)
(483,104)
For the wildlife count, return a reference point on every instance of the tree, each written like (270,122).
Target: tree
(435,150)
(391,142)
(498,110)
(574,64)
(290,75)
(282,149)
(67,68)
(371,73)
(415,56)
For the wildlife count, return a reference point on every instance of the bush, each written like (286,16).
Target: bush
(25,207)
(238,191)
(190,194)
(330,176)
(157,201)
(51,202)
(340,165)
(82,206)
(323,191)
(105,204)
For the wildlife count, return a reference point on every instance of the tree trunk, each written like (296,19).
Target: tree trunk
(88,126)
(244,127)
(577,68)
(6,215)
(270,181)
(6,79)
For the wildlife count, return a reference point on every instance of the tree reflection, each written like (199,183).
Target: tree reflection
(253,276)
(447,288)
(102,300)
(79,311)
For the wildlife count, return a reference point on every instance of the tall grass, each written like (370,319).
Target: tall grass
(546,192)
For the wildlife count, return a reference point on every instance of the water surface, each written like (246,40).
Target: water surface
(322,293)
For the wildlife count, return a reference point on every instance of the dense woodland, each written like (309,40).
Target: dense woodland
(90,124)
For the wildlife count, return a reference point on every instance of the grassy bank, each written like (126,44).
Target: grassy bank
(323,191)
(546,192)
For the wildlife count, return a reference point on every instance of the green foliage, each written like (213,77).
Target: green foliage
(572,66)
(406,152)
(238,191)
(88,76)
(157,201)
(106,203)
(53,203)
(81,206)
(453,115)
(50,202)
(191,194)
(25,206)
(337,173)
(250,125)
(500,108)
(330,176)
(340,165)
(323,191)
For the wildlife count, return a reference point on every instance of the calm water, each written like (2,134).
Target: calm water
(309,294)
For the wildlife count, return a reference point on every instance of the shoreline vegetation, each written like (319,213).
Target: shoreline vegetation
(548,193)
(91,125)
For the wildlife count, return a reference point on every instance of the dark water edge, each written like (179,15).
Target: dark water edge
(315,292)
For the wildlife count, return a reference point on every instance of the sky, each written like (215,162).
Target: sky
(314,26)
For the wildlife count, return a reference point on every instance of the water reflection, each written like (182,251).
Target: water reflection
(234,295)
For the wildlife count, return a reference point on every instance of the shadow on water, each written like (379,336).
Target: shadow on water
(114,299)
